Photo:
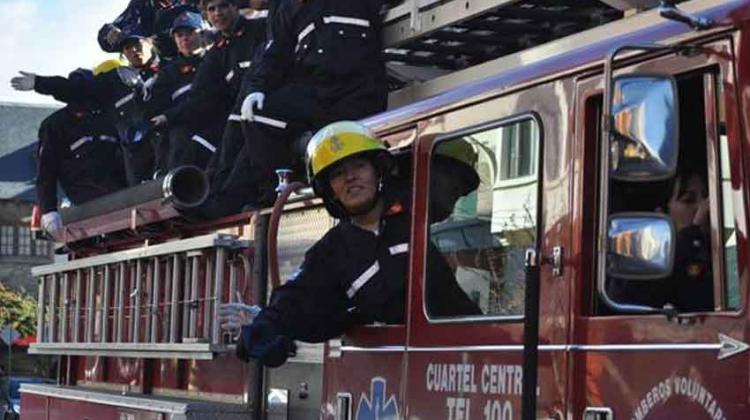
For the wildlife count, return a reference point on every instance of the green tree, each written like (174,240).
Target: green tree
(17,310)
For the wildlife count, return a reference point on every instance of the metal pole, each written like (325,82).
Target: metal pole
(105,304)
(530,337)
(167,313)
(174,311)
(77,306)
(41,336)
(120,311)
(193,305)
(52,321)
(221,259)
(90,304)
(155,301)
(137,303)
(64,312)
(208,301)
(149,300)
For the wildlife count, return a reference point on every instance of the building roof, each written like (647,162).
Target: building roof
(19,124)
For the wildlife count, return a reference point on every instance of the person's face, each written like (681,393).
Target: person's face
(686,200)
(138,52)
(445,190)
(187,40)
(221,14)
(355,184)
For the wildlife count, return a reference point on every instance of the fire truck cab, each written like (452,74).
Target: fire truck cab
(585,147)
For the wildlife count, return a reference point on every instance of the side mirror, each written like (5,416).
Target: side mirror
(644,128)
(640,246)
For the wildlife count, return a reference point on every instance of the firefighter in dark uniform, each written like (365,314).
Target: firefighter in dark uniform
(119,93)
(192,142)
(356,273)
(323,64)
(78,149)
(217,83)
(154,16)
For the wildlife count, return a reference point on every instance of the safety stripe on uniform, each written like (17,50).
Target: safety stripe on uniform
(229,75)
(399,249)
(149,82)
(234,117)
(305,32)
(179,92)
(362,279)
(203,142)
(245,64)
(347,20)
(111,139)
(269,121)
(80,142)
(125,99)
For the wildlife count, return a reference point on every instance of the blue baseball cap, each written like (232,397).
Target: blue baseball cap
(187,20)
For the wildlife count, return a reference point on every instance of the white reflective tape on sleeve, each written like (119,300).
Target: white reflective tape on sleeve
(110,139)
(229,76)
(305,32)
(235,117)
(347,20)
(269,121)
(181,91)
(362,279)
(150,82)
(399,249)
(80,142)
(125,99)
(245,64)
(203,142)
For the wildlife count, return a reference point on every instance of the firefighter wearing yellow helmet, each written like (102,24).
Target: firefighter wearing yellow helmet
(356,273)
(108,65)
(333,146)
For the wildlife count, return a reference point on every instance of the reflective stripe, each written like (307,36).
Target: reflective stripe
(111,139)
(203,142)
(347,20)
(234,117)
(229,75)
(244,64)
(399,249)
(305,32)
(80,142)
(269,121)
(362,279)
(125,99)
(181,91)
(150,82)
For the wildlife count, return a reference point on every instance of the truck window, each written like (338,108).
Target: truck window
(699,200)
(483,216)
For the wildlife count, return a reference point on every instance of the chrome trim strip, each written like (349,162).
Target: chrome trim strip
(545,348)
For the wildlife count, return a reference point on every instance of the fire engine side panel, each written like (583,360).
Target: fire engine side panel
(648,366)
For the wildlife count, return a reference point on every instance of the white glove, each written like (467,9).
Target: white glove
(252,101)
(233,316)
(24,82)
(159,120)
(52,223)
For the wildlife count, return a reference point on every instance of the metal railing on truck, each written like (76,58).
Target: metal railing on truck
(157,301)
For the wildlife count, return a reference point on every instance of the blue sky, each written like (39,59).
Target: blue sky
(50,37)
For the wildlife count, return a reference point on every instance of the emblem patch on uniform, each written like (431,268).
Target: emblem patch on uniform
(376,406)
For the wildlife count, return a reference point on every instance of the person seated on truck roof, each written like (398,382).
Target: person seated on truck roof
(78,150)
(192,142)
(217,81)
(119,93)
(323,64)
(357,272)
(155,17)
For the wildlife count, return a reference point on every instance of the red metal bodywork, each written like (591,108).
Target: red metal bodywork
(400,363)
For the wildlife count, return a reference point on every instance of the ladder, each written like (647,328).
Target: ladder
(424,39)
(158,301)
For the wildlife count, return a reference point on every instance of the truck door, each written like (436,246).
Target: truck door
(478,210)
(686,356)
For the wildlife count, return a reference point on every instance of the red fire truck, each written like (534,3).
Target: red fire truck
(586,124)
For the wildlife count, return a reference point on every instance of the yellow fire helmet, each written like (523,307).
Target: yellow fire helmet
(336,142)
(108,65)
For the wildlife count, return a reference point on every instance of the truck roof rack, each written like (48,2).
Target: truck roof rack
(424,39)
